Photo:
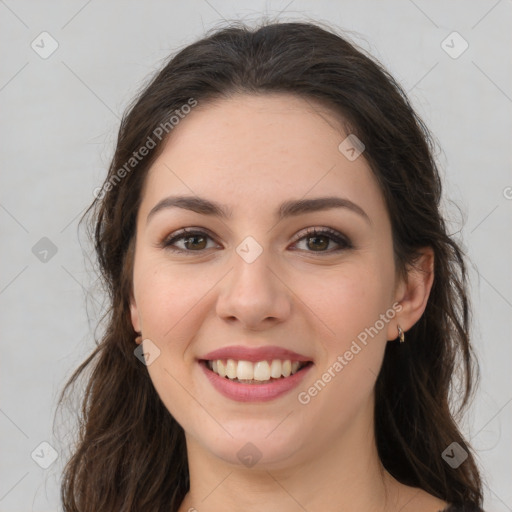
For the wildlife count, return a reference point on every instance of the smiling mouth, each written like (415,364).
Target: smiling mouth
(259,372)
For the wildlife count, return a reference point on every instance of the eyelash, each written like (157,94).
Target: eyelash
(310,233)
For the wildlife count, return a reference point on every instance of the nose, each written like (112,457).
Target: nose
(254,295)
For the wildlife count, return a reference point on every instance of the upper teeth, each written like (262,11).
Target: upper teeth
(260,370)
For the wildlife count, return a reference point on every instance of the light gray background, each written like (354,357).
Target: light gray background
(59,122)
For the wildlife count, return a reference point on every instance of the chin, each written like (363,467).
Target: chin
(255,447)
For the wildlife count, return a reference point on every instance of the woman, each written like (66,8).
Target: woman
(287,308)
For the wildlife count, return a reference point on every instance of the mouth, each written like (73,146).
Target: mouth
(252,375)
(255,372)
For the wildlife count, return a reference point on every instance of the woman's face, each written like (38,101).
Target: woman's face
(260,286)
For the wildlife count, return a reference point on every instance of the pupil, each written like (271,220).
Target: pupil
(316,238)
(194,238)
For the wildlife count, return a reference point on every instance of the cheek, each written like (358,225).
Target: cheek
(166,294)
(170,301)
(348,300)
(354,306)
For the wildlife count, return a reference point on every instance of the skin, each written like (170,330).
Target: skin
(251,153)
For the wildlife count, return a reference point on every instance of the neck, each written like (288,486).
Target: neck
(345,475)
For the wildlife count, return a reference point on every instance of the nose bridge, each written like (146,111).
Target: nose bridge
(252,265)
(253,293)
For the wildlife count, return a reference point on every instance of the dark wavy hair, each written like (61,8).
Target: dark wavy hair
(118,462)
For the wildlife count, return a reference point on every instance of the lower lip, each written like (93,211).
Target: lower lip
(253,392)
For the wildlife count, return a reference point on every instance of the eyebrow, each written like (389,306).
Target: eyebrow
(287,209)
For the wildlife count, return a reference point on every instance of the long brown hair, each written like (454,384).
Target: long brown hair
(130,454)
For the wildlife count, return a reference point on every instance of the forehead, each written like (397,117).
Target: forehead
(252,150)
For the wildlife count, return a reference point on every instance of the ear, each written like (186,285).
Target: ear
(413,292)
(134,314)
(129,264)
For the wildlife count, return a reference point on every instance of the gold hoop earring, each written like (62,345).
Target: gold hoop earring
(401,334)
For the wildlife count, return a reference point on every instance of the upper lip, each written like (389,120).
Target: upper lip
(254,354)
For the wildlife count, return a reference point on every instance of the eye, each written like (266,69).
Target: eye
(321,238)
(194,240)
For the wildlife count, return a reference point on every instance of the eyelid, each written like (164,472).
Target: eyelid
(344,243)
(184,233)
(333,234)
(316,231)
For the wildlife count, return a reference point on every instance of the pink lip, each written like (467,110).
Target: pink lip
(253,392)
(242,353)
